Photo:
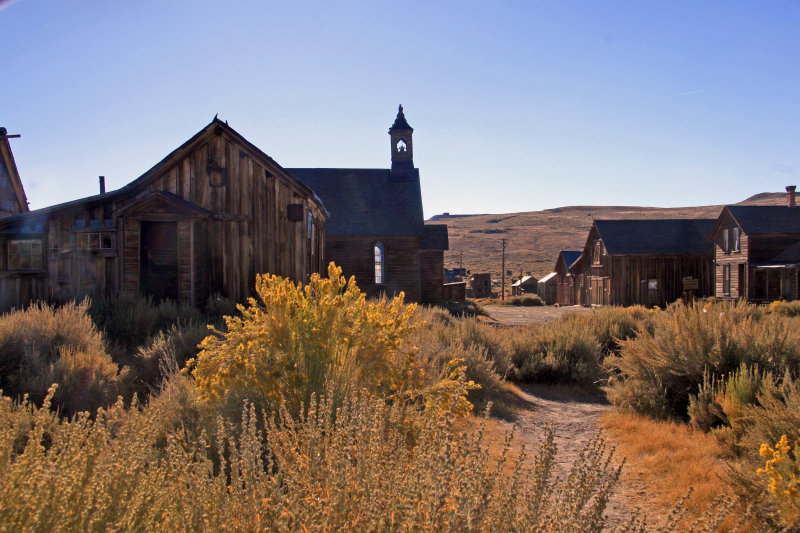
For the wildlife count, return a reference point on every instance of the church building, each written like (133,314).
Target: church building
(376,230)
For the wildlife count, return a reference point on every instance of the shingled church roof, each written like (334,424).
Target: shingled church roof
(366,201)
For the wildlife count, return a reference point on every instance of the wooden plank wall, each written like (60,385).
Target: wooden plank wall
(627,273)
(431,276)
(356,257)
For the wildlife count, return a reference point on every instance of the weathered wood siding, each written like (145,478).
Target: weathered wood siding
(230,205)
(431,276)
(355,256)
(631,275)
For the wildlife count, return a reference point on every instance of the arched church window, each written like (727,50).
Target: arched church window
(380,264)
(401,146)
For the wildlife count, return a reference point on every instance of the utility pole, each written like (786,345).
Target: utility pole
(461,261)
(503,274)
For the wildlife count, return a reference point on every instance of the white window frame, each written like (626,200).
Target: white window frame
(379,256)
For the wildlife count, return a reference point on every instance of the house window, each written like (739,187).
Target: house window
(380,264)
(94,241)
(598,251)
(25,254)
(735,239)
(726,241)
(726,279)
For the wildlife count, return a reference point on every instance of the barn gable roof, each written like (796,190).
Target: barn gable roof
(216,126)
(570,256)
(10,182)
(763,219)
(656,237)
(366,202)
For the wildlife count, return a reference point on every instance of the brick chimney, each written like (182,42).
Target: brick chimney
(790,195)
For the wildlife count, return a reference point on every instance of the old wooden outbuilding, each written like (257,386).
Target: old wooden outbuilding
(480,286)
(204,220)
(627,262)
(757,251)
(376,230)
(524,285)
(566,281)
(548,288)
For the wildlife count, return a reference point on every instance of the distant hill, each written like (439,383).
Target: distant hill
(533,239)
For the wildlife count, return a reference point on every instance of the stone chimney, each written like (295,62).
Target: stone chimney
(790,195)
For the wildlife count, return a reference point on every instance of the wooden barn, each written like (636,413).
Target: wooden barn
(204,220)
(628,262)
(757,251)
(376,231)
(566,281)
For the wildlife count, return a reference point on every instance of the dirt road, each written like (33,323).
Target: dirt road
(512,315)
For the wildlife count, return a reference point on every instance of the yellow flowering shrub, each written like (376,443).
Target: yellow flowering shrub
(782,470)
(324,338)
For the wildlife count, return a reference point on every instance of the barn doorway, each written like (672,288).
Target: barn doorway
(159,260)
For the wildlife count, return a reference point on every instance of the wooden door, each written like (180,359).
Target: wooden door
(159,260)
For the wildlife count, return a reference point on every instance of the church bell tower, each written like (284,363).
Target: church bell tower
(402,146)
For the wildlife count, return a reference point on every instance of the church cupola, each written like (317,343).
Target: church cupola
(402,145)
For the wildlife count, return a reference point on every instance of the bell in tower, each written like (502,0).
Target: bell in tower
(402,146)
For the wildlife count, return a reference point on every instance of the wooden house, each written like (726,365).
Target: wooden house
(204,220)
(524,285)
(757,251)
(627,262)
(548,288)
(12,194)
(566,282)
(376,231)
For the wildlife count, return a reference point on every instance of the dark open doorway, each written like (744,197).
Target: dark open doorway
(159,260)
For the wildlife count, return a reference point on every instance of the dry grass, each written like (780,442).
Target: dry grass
(665,459)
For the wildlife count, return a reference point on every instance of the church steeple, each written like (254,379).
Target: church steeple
(402,146)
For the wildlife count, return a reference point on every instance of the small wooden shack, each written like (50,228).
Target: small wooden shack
(481,285)
(204,220)
(524,285)
(627,262)
(548,288)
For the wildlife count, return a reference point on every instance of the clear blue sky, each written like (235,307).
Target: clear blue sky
(517,106)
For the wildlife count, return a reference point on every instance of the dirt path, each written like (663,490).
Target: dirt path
(576,417)
(574,412)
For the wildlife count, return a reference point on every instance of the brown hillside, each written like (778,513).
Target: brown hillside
(533,239)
